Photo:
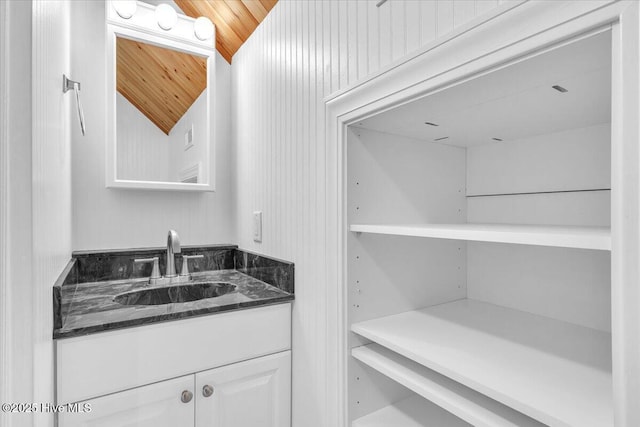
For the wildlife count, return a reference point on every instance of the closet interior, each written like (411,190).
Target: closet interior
(479,249)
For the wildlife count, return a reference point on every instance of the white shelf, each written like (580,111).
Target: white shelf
(555,372)
(468,405)
(410,412)
(559,236)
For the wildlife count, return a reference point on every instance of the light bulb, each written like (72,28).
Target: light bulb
(166,16)
(125,8)
(203,28)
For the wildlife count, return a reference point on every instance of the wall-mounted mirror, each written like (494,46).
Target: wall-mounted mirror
(160,87)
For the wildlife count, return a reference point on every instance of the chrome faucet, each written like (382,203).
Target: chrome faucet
(170,277)
(173,247)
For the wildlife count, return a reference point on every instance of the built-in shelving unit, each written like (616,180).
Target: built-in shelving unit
(456,398)
(409,412)
(553,371)
(558,236)
(479,243)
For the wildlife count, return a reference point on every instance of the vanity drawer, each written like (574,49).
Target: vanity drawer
(102,363)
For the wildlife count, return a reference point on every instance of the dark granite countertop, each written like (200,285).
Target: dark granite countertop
(84,307)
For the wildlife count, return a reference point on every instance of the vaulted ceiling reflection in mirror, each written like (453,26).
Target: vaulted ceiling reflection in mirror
(162,113)
(161,83)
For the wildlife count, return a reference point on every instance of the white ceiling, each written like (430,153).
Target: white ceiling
(515,102)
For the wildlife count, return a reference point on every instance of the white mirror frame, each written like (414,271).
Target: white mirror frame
(143,27)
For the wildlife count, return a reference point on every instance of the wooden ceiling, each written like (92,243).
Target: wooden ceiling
(235,20)
(162,93)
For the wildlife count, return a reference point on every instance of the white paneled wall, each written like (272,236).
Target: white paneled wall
(146,153)
(51,182)
(300,54)
(142,149)
(36,206)
(5,356)
(17,291)
(196,118)
(115,218)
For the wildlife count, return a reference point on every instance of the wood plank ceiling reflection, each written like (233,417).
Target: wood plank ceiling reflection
(162,92)
(235,20)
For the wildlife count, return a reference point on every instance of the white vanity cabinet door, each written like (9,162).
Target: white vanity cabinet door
(254,393)
(155,405)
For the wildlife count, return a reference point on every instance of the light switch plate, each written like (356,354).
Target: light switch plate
(257,226)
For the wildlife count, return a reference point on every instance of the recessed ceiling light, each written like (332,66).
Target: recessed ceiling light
(560,88)
(496,139)
(430,124)
(440,139)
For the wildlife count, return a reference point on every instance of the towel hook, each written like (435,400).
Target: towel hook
(68,85)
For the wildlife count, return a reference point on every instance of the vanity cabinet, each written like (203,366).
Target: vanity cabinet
(253,393)
(155,405)
(136,377)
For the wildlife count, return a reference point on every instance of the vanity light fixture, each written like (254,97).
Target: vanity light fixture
(166,16)
(125,8)
(430,124)
(203,28)
(560,88)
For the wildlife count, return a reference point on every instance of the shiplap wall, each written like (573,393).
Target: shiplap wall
(300,54)
(35,38)
(146,153)
(195,117)
(5,306)
(142,148)
(51,182)
(18,321)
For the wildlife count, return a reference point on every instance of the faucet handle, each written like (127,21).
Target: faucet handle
(155,272)
(185,263)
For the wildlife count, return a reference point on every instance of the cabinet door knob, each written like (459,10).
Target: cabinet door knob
(186,396)
(207,390)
